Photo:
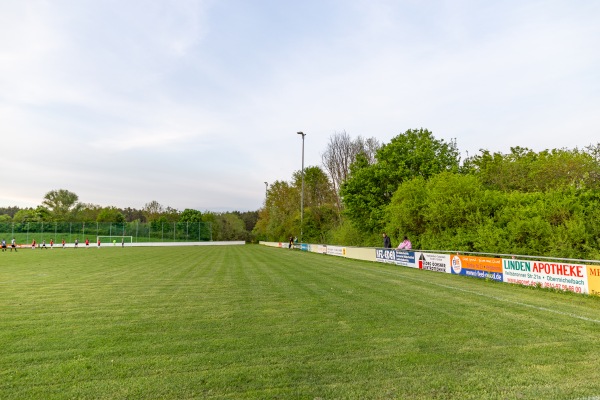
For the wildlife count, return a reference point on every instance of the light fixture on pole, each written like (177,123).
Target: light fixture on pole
(302,193)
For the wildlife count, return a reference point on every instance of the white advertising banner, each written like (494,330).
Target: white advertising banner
(572,277)
(433,262)
(336,251)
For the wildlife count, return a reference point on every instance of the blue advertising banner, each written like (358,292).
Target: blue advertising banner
(385,255)
(398,257)
(406,258)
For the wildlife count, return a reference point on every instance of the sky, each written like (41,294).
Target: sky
(197,103)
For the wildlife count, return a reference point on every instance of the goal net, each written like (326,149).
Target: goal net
(115,240)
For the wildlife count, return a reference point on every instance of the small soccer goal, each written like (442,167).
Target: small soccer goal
(114,240)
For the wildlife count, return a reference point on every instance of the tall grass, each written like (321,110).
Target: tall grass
(255,322)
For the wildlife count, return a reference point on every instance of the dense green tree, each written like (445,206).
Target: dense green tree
(347,234)
(24,215)
(153,210)
(160,224)
(191,221)
(110,214)
(433,212)
(320,209)
(62,204)
(318,189)
(212,219)
(190,215)
(370,187)
(88,212)
(340,153)
(232,227)
(133,214)
(10,211)
(171,214)
(457,212)
(406,214)
(39,214)
(250,218)
(527,171)
(280,217)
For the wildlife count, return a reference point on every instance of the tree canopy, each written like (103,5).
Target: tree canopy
(370,187)
(62,203)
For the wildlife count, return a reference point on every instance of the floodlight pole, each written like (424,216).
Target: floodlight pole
(302,192)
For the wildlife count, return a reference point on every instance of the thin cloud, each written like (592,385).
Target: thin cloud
(199,102)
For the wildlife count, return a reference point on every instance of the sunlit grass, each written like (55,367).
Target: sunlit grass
(255,322)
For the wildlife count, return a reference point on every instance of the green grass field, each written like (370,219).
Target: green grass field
(251,322)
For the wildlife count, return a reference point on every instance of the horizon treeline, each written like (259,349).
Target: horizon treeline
(523,202)
(63,206)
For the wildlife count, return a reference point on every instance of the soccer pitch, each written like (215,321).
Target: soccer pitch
(251,322)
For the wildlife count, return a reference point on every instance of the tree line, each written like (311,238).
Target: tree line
(524,202)
(63,206)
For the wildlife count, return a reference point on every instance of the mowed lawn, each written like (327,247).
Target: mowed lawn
(251,322)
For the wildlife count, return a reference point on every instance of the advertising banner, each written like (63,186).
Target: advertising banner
(361,253)
(572,277)
(322,249)
(406,258)
(593,275)
(398,257)
(336,251)
(434,262)
(385,255)
(478,267)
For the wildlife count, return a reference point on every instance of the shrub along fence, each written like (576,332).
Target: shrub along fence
(26,232)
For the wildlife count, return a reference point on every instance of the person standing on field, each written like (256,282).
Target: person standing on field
(98,242)
(76,242)
(13,245)
(63,243)
(387,243)
(44,244)
(87,243)
(33,244)
(3,245)
(51,243)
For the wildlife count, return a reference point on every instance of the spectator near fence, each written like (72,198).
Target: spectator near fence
(405,245)
(387,243)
